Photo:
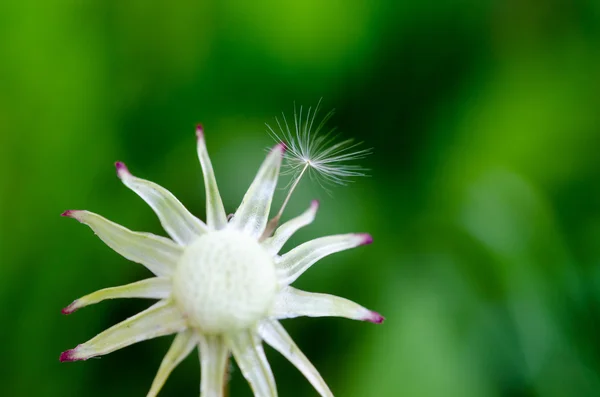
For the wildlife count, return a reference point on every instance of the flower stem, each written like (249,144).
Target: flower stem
(272,225)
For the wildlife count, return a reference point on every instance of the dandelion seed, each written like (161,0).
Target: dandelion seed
(314,152)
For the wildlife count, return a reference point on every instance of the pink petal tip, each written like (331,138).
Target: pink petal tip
(374,318)
(72,214)
(70,309)
(366,239)
(199,131)
(121,168)
(68,356)
(281,146)
(315,204)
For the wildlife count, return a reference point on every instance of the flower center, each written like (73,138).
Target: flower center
(225,281)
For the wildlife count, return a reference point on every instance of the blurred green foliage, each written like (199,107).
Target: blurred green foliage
(484,199)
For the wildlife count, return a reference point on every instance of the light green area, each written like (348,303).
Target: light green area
(483,200)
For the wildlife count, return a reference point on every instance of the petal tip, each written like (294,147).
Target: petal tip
(68,356)
(365,238)
(121,169)
(199,131)
(280,147)
(315,204)
(72,214)
(283,146)
(374,318)
(70,309)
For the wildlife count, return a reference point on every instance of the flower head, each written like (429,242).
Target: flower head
(220,286)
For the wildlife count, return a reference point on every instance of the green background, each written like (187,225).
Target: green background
(483,200)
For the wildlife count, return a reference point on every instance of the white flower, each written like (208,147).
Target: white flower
(220,286)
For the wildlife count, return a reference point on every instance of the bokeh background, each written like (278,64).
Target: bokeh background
(483,200)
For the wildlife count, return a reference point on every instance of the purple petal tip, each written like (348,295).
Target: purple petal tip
(199,131)
(375,318)
(366,239)
(121,168)
(75,214)
(68,355)
(70,309)
(283,146)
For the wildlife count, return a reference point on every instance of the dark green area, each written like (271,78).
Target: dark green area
(483,200)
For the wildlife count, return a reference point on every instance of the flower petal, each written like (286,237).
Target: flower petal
(182,346)
(214,356)
(159,254)
(292,302)
(291,265)
(215,212)
(275,335)
(284,232)
(252,215)
(250,357)
(152,288)
(163,318)
(177,221)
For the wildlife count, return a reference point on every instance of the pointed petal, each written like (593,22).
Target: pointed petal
(215,212)
(163,318)
(152,288)
(251,217)
(292,302)
(182,346)
(177,221)
(291,265)
(214,356)
(160,255)
(284,232)
(250,357)
(275,335)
